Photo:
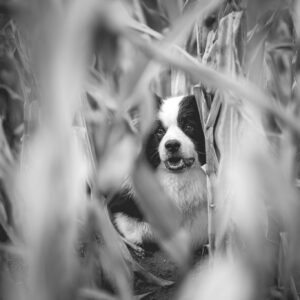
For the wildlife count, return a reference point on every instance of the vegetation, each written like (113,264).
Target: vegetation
(71,73)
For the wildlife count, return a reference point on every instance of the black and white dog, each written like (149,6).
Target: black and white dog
(176,150)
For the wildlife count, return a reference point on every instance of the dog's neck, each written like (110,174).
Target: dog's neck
(187,189)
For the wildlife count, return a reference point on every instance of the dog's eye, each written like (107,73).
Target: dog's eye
(160,131)
(189,128)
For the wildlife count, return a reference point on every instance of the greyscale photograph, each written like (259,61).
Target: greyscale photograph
(149,149)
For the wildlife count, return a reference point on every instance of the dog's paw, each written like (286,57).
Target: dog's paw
(131,229)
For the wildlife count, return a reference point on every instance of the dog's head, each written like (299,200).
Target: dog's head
(177,141)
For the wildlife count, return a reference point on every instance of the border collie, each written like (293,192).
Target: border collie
(176,150)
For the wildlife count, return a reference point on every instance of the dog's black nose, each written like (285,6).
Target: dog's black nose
(172,145)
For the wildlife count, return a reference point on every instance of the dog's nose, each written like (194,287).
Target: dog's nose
(172,145)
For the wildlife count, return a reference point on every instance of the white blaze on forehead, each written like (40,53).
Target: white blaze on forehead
(169,111)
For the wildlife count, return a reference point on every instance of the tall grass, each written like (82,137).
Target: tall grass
(79,68)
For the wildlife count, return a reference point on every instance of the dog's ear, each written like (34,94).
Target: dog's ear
(134,115)
(158,101)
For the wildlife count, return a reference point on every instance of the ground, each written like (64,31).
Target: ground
(158,263)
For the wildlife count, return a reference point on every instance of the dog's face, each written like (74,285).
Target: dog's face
(177,142)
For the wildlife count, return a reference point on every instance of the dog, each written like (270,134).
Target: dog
(176,150)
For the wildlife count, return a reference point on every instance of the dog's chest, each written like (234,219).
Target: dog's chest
(187,190)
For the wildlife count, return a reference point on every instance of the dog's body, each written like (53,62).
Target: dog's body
(176,150)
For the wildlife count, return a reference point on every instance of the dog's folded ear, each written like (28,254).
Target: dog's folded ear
(134,115)
(158,100)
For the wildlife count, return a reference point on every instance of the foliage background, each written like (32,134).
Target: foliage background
(70,74)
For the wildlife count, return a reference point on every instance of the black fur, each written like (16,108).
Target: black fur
(152,143)
(189,122)
(124,203)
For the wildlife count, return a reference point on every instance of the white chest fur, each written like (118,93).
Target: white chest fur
(188,192)
(187,189)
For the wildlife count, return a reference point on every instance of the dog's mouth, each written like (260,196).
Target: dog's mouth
(177,163)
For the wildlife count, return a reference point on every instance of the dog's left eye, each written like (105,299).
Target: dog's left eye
(189,128)
(160,131)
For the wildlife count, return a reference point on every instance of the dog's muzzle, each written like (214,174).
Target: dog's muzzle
(175,161)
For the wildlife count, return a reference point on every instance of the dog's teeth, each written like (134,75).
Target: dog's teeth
(176,164)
